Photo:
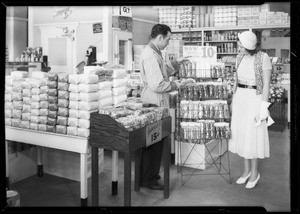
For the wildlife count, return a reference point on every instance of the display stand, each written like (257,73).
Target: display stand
(107,133)
(215,162)
(55,141)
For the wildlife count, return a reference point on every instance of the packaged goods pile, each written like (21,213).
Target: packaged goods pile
(201,70)
(198,132)
(204,91)
(135,119)
(53,102)
(133,116)
(183,17)
(119,83)
(204,113)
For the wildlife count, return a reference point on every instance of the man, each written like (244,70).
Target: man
(155,74)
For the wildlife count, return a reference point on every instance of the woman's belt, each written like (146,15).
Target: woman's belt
(247,86)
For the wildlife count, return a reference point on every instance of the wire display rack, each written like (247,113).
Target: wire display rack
(210,145)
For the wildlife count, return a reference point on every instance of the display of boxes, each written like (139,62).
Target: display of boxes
(255,10)
(265,8)
(255,22)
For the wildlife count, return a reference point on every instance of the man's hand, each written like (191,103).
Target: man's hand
(183,59)
(186,81)
(177,83)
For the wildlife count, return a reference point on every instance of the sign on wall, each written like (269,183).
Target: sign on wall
(97,28)
(206,54)
(125,11)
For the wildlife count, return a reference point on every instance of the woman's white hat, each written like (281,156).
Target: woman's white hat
(248,39)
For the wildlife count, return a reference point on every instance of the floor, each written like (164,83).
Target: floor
(272,191)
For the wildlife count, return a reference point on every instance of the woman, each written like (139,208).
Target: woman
(250,116)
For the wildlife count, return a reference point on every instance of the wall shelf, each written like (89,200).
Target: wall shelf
(226,28)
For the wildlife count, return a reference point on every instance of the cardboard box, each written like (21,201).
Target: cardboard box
(200,156)
(262,22)
(265,8)
(241,11)
(255,22)
(270,22)
(263,14)
(255,10)
(277,22)
(247,11)
(277,17)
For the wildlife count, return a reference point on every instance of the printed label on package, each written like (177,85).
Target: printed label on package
(153,133)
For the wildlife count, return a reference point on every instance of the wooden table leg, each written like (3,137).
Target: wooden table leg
(83,179)
(6,164)
(95,174)
(40,161)
(114,174)
(127,179)
(137,173)
(167,155)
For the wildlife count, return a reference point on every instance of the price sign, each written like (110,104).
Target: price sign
(153,133)
(203,54)
(125,11)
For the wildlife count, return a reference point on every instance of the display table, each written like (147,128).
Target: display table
(55,141)
(107,133)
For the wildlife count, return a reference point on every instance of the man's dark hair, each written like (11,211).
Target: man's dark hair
(160,29)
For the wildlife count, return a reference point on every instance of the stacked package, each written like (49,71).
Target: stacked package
(53,101)
(84,98)
(13,98)
(35,101)
(137,118)
(225,16)
(119,84)
(8,100)
(62,106)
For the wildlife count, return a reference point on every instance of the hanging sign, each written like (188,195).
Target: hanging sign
(204,54)
(125,11)
(153,133)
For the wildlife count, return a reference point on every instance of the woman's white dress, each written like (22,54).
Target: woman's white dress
(247,139)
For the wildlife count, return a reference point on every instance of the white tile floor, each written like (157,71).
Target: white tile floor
(272,192)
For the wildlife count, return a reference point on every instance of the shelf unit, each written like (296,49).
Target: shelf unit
(204,30)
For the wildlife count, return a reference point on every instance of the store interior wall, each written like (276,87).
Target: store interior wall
(16,31)
(142,29)
(85,16)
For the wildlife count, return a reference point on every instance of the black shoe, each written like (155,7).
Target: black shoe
(156,186)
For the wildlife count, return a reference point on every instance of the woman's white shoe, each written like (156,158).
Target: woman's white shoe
(252,184)
(242,180)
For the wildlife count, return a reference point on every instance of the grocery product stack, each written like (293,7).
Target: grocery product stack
(119,84)
(13,98)
(38,101)
(225,16)
(260,15)
(177,17)
(84,97)
(88,101)
(105,94)
(133,116)
(53,100)
(204,111)
(62,103)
